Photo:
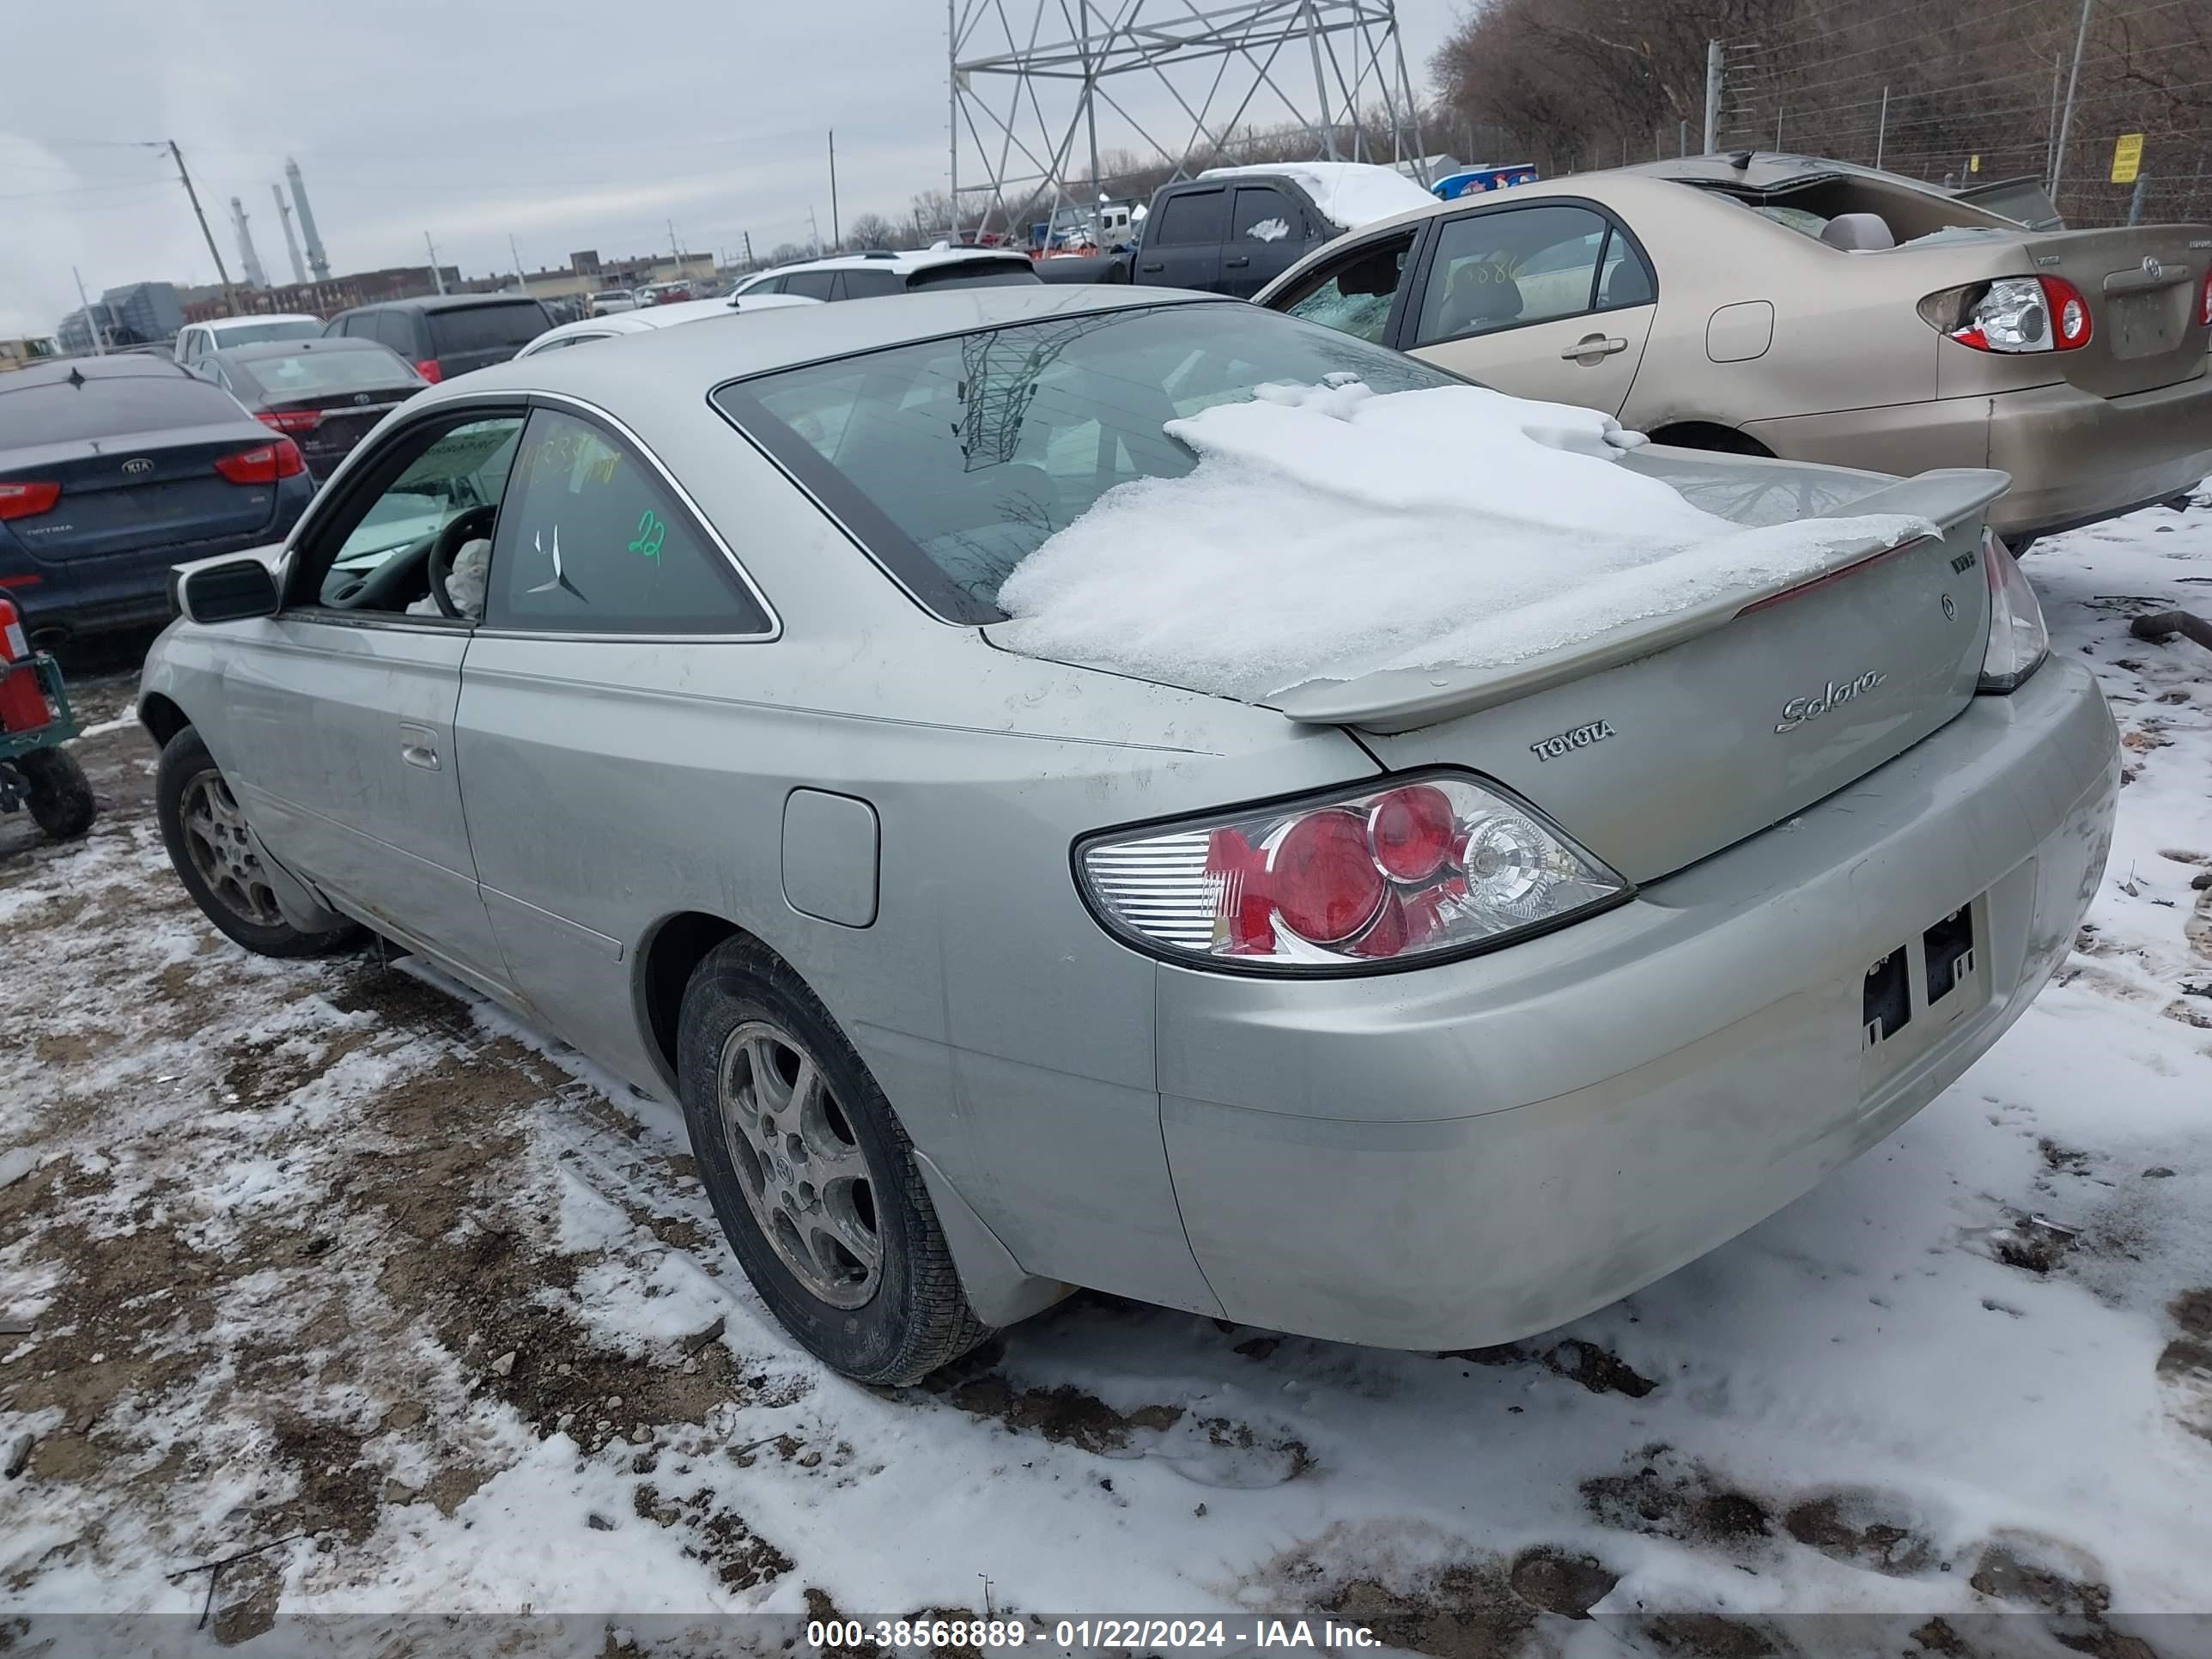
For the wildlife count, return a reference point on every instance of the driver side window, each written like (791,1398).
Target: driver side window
(383,562)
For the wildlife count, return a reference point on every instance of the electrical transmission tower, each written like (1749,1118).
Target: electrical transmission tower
(1029,76)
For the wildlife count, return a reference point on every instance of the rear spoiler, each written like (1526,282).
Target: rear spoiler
(1405,699)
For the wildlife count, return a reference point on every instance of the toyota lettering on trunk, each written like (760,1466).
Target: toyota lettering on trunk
(1802,711)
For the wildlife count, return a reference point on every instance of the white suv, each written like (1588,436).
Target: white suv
(197,342)
(869,275)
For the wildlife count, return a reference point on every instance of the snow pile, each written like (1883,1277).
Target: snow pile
(1351,193)
(1329,531)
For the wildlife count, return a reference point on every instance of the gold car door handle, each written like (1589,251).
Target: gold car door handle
(1594,345)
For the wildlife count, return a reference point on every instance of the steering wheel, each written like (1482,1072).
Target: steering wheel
(459,529)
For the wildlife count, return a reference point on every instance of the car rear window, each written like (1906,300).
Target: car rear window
(255,333)
(105,406)
(300,373)
(953,460)
(487,328)
(974,273)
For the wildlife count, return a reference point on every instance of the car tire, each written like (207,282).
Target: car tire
(854,1264)
(57,792)
(206,833)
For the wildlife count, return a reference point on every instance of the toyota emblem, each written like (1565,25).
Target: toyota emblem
(1950,609)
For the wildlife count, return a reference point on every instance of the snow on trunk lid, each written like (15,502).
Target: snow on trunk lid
(1330,533)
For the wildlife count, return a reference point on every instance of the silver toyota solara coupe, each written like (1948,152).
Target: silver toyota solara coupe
(652,690)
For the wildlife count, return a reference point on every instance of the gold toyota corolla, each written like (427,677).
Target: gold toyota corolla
(1785,305)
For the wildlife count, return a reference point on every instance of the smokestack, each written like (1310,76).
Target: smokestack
(254,277)
(291,242)
(316,258)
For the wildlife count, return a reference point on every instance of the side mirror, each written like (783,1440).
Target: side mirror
(224,590)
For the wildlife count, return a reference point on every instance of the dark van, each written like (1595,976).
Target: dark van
(447,334)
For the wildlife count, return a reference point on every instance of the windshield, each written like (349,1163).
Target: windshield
(955,459)
(498,327)
(239,334)
(303,374)
(108,406)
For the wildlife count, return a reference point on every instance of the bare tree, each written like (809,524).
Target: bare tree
(870,230)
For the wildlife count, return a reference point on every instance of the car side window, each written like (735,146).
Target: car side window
(1354,294)
(869,284)
(376,559)
(1510,267)
(813,284)
(591,540)
(396,330)
(1624,277)
(1265,215)
(1195,219)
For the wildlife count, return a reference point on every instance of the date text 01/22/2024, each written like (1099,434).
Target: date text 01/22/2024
(1090,1635)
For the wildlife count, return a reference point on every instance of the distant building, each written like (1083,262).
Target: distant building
(147,311)
(23,353)
(75,331)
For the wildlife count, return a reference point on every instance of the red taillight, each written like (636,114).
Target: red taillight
(2204,302)
(1384,876)
(1411,830)
(292,420)
(1321,878)
(27,500)
(263,465)
(428,369)
(2070,313)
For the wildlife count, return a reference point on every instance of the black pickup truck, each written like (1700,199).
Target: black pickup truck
(1224,236)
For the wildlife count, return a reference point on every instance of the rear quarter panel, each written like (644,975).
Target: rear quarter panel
(620,783)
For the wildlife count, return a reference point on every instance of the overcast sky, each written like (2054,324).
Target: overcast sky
(563,123)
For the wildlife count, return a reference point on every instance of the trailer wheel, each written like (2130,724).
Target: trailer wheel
(58,794)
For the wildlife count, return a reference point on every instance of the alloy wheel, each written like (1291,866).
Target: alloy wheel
(804,1173)
(217,841)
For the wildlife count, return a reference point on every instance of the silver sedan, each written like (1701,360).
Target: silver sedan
(653,692)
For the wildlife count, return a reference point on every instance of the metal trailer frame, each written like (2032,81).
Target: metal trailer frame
(1023,88)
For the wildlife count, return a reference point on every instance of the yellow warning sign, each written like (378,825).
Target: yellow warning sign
(2127,157)
(1973,164)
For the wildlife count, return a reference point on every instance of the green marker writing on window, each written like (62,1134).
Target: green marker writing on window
(651,532)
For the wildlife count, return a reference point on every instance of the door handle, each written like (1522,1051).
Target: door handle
(418,746)
(1153,264)
(1240,260)
(1594,345)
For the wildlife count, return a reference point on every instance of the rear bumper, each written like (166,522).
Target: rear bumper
(113,590)
(2075,458)
(1466,1154)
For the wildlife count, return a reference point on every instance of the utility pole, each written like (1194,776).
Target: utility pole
(99,345)
(2136,201)
(437,275)
(229,299)
(951,111)
(1684,135)
(1712,95)
(1779,111)
(1320,83)
(2051,128)
(814,229)
(2066,117)
(749,247)
(836,234)
(522,275)
(1882,128)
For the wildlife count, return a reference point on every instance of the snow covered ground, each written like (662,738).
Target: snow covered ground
(322,1272)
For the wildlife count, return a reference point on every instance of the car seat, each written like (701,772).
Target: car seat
(1630,284)
(1859,233)
(1481,296)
